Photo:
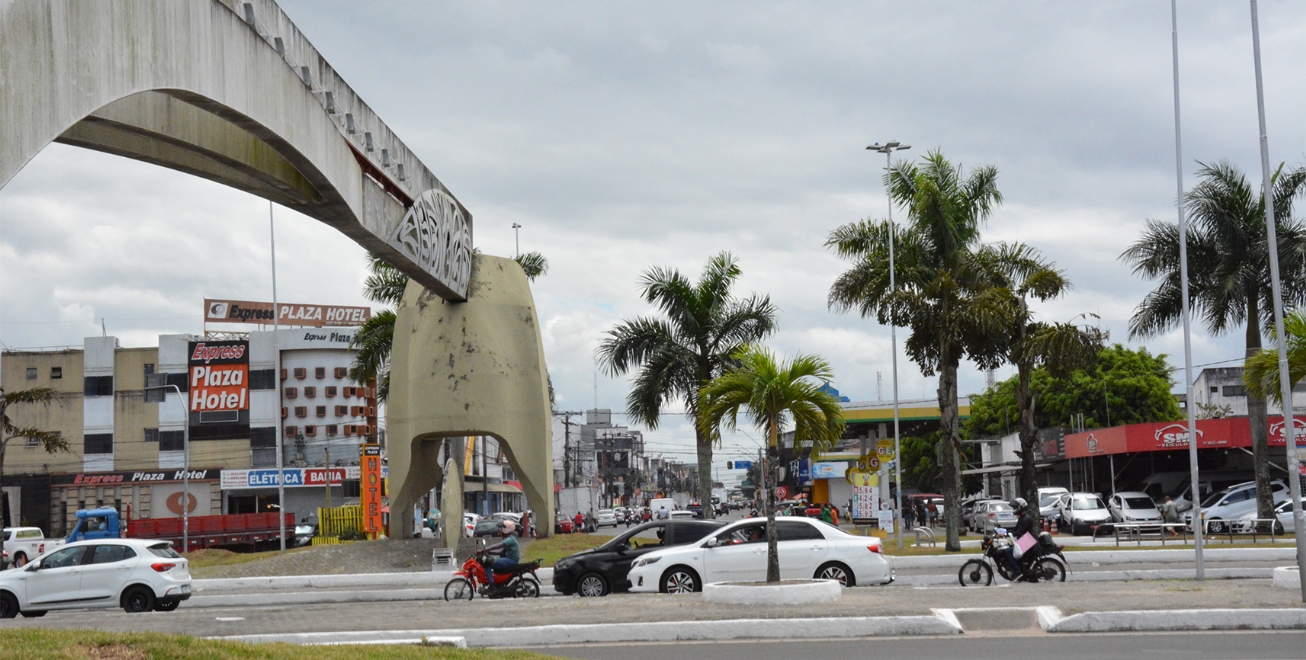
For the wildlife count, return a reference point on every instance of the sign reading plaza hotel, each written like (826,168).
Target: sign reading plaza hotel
(317,316)
(218,383)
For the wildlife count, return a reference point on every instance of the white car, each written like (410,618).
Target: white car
(808,549)
(606,517)
(1081,513)
(469,524)
(137,575)
(1133,507)
(1283,519)
(24,543)
(680,515)
(1233,503)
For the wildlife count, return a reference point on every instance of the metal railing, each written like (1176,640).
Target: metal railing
(1253,527)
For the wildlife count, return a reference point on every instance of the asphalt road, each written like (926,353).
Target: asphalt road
(1035,646)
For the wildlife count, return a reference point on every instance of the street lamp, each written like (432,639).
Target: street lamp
(516,237)
(185,473)
(887,150)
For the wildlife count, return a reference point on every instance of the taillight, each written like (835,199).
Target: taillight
(161,567)
(878,549)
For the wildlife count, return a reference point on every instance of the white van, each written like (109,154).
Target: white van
(658,503)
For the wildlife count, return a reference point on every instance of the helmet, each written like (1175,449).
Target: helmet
(508,527)
(1021,503)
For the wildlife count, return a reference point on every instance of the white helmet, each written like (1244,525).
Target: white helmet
(1021,503)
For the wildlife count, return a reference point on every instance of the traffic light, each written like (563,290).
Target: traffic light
(730,465)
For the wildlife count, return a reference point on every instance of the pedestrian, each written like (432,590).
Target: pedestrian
(1170,513)
(826,516)
(579,521)
(934,514)
(907,516)
(589,522)
(834,516)
(526,527)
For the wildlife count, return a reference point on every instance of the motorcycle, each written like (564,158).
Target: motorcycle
(518,582)
(1046,562)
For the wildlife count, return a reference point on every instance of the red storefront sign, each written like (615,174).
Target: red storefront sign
(1173,436)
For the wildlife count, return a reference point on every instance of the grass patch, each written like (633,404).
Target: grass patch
(36,643)
(553,548)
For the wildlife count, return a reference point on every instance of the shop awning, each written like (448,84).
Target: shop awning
(494,488)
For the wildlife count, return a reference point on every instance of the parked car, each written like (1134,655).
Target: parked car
(603,570)
(808,549)
(304,534)
(135,574)
(1081,513)
(22,544)
(1233,503)
(605,517)
(1133,507)
(563,525)
(1049,506)
(681,514)
(1283,523)
(991,514)
(469,524)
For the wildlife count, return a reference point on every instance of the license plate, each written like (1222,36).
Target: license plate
(185,588)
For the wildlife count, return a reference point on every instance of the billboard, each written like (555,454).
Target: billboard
(217,379)
(260,313)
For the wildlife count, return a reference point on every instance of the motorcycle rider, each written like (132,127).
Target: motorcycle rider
(1024,525)
(508,548)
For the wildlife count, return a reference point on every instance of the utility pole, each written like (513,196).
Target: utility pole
(566,416)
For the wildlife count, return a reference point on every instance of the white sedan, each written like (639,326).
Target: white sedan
(807,548)
(137,575)
(606,517)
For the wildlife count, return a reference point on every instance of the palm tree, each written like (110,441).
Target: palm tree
(695,341)
(1229,274)
(386,285)
(774,394)
(943,291)
(1059,347)
(50,441)
(1262,373)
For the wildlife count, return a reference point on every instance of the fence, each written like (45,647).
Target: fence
(340,520)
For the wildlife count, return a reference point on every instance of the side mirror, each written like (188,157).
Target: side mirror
(711,543)
(33,566)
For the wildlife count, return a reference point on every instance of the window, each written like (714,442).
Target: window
(172,440)
(342,372)
(355,411)
(310,430)
(283,374)
(745,534)
(33,442)
(321,411)
(151,435)
(149,368)
(292,392)
(301,373)
(331,390)
(98,386)
(97,443)
(56,373)
(31,373)
(1234,390)
(262,379)
(164,550)
(179,380)
(319,372)
(65,558)
(1215,390)
(301,411)
(342,411)
(291,431)
(332,429)
(349,391)
(792,530)
(310,392)
(263,437)
(108,554)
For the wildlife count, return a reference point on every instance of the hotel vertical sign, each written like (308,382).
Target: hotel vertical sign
(370,486)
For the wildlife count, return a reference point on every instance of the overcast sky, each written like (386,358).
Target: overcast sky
(624,135)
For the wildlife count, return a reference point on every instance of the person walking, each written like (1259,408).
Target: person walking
(1170,513)
(907,516)
(834,515)
(579,522)
(934,514)
(826,516)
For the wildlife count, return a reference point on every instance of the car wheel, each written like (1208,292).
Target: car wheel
(8,605)
(33,614)
(20,560)
(680,580)
(837,572)
(166,605)
(1215,526)
(1278,527)
(592,585)
(138,599)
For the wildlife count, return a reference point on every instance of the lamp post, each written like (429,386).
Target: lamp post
(516,237)
(887,150)
(185,472)
(1272,244)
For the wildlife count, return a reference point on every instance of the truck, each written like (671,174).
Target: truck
(23,544)
(247,529)
(578,500)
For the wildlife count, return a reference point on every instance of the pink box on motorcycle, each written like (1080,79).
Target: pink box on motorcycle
(1026,542)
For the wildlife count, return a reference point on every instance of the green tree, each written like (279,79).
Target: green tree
(943,294)
(702,327)
(50,441)
(1262,374)
(773,395)
(1057,347)
(372,345)
(1229,274)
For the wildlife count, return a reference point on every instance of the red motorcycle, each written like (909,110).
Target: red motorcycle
(518,582)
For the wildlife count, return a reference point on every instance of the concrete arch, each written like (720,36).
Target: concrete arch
(232,92)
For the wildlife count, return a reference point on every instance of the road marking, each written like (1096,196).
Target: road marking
(230,618)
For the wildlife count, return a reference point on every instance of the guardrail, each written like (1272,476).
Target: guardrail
(1180,531)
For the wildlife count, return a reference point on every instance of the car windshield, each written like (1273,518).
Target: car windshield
(1215,497)
(164,550)
(1087,503)
(1139,503)
(1048,501)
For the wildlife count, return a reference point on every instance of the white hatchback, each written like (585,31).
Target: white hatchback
(808,549)
(137,575)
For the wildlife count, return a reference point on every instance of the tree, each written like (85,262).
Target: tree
(773,395)
(1262,373)
(1229,274)
(1124,386)
(375,339)
(1057,347)
(943,293)
(701,328)
(50,441)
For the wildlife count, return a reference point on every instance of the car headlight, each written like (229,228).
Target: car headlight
(564,564)
(646,561)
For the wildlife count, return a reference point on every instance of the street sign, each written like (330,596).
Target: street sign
(868,463)
(884,449)
(740,465)
(782,492)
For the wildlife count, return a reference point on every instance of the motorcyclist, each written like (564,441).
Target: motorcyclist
(1024,525)
(508,549)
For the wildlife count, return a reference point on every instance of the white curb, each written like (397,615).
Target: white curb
(793,592)
(1287,577)
(1171,620)
(1076,557)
